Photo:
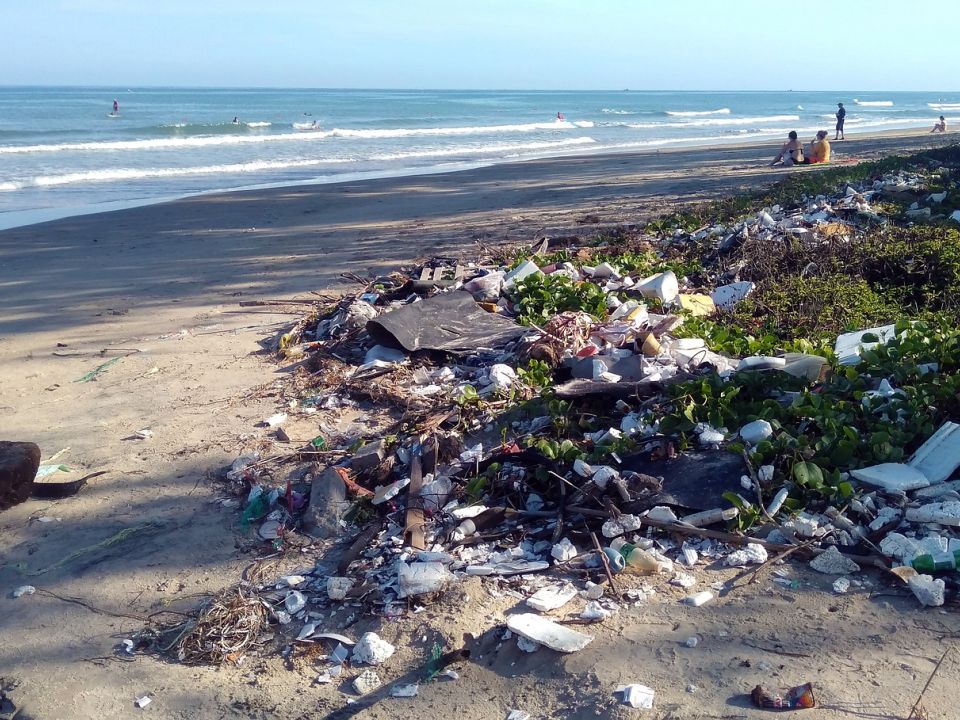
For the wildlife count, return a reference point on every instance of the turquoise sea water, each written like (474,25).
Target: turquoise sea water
(62,152)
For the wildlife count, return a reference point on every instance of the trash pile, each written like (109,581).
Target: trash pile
(545,422)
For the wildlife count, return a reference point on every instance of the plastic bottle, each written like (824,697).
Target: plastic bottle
(470,526)
(936,562)
(638,560)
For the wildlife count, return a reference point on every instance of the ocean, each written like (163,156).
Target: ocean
(62,152)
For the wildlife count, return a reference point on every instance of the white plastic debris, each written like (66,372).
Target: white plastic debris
(405,691)
(849,345)
(727,296)
(422,577)
(518,715)
(698,599)
(527,646)
(382,493)
(623,523)
(661,513)
(752,554)
(295,601)
(581,468)
(942,513)
(928,591)
(637,696)
(778,500)
(603,475)
(832,562)
(338,587)
(23,590)
(546,632)
(592,591)
(756,431)
(142,702)
(595,611)
(275,420)
(307,630)
(551,597)
(893,477)
(371,649)
(711,437)
(683,580)
(525,269)
(692,641)
(663,286)
(939,456)
(502,376)
(563,550)
(366,682)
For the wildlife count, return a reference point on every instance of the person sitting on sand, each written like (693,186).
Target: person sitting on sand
(819,150)
(940,126)
(792,151)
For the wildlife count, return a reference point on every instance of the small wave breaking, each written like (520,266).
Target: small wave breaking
(696,113)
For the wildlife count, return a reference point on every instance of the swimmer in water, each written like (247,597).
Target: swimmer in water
(116,107)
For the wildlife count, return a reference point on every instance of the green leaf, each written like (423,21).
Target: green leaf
(808,474)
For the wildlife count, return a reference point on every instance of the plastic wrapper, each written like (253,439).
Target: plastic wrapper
(796,698)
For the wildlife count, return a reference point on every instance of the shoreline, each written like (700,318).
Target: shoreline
(24,218)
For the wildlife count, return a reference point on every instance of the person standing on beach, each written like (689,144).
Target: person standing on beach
(841,115)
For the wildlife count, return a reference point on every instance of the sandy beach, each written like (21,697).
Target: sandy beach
(159,287)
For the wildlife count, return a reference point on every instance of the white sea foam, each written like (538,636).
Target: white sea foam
(486,149)
(614,111)
(874,103)
(716,122)
(944,106)
(258,124)
(696,113)
(349,133)
(127,174)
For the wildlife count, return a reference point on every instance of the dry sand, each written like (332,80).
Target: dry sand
(159,286)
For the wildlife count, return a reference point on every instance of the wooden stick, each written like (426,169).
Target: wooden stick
(916,705)
(606,563)
(413,531)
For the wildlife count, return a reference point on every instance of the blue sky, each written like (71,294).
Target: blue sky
(508,44)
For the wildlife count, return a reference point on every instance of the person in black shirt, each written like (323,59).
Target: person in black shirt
(841,114)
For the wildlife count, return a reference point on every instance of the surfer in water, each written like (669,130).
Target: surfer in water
(116,107)
(235,121)
(560,116)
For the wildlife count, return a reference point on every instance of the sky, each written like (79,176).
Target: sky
(484,44)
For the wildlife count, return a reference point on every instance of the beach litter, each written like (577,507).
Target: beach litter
(574,429)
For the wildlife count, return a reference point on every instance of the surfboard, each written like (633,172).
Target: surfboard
(113,115)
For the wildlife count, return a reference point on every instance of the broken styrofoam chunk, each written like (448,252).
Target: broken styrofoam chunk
(663,286)
(623,523)
(841,585)
(727,296)
(142,702)
(371,649)
(295,601)
(419,578)
(275,420)
(661,513)
(546,632)
(382,493)
(603,475)
(756,431)
(848,346)
(955,216)
(939,456)
(366,682)
(698,599)
(405,691)
(942,513)
(23,590)
(502,376)
(928,591)
(518,715)
(605,270)
(338,587)
(595,611)
(637,696)
(833,562)
(551,597)
(581,468)
(927,493)
(710,436)
(527,646)
(893,477)
(752,554)
(563,550)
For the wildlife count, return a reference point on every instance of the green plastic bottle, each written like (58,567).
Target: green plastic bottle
(936,562)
